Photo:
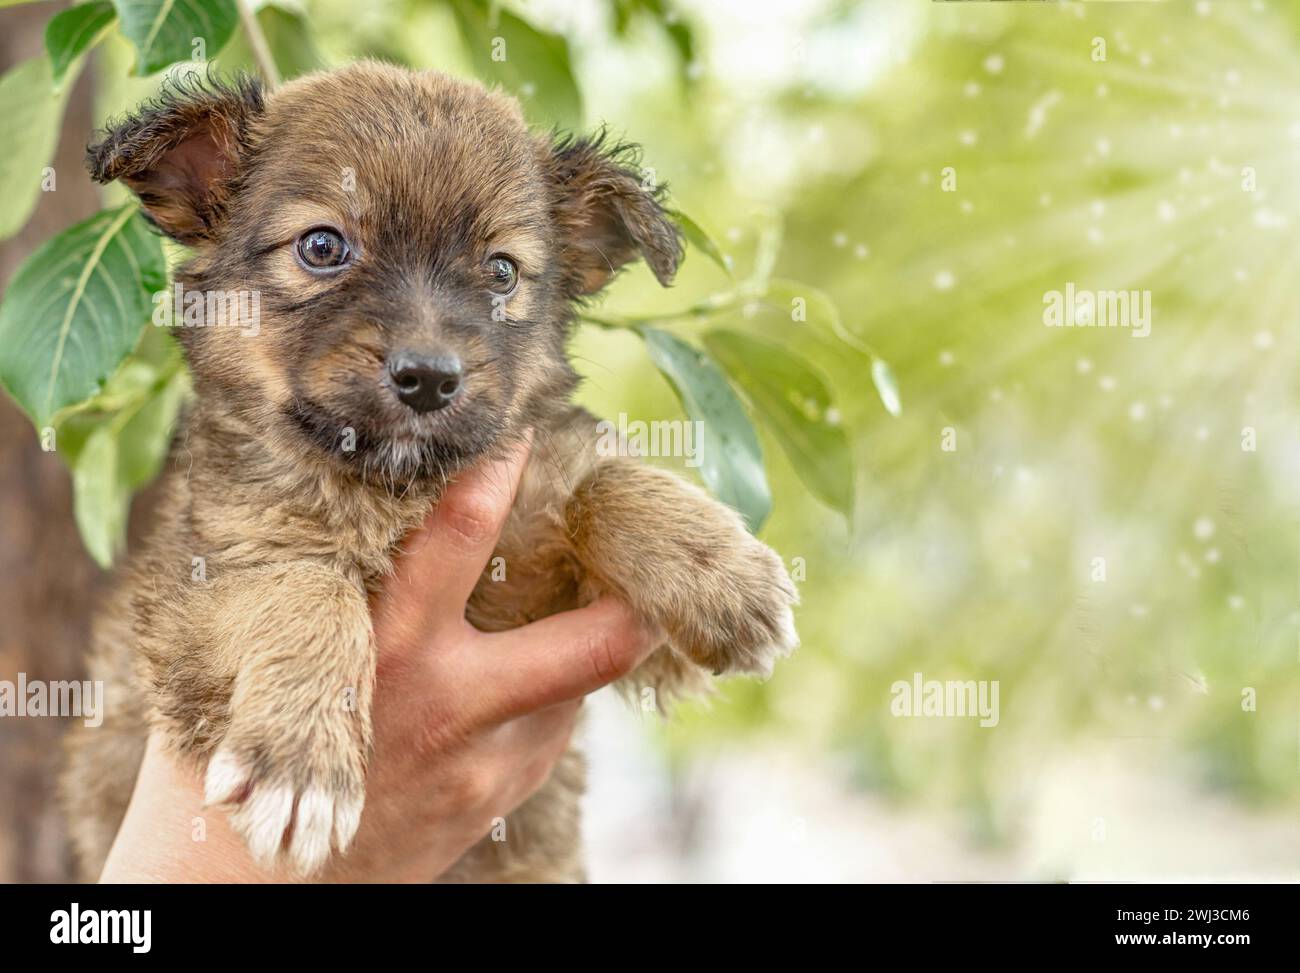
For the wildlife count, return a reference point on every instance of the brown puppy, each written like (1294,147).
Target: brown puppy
(417,253)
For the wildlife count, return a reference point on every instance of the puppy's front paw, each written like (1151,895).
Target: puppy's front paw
(286,810)
(741,613)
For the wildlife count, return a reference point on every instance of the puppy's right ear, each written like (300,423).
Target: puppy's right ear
(180,152)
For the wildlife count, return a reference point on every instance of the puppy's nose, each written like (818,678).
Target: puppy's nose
(425,382)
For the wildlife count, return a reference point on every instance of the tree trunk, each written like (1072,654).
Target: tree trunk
(47,581)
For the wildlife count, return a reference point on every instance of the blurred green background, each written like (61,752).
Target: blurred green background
(936,169)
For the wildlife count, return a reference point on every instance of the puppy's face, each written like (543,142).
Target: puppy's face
(411,252)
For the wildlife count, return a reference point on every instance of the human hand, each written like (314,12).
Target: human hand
(467,725)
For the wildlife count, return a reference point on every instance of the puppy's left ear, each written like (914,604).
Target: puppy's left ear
(180,152)
(608,213)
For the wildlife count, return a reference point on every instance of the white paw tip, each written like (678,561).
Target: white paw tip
(225,778)
(263,820)
(786,641)
(347,816)
(312,829)
(787,635)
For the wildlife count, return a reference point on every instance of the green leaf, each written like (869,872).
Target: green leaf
(797,408)
(771,232)
(75,309)
(810,305)
(882,376)
(155,359)
(30,112)
(146,438)
(668,20)
(532,64)
(99,505)
(290,38)
(701,241)
(70,34)
(683,40)
(731,458)
(122,453)
(803,303)
(164,31)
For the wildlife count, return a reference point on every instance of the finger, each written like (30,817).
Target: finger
(563,657)
(442,560)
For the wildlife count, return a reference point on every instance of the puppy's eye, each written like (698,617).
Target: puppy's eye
(502,274)
(322,249)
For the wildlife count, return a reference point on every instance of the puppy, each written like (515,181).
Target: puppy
(418,253)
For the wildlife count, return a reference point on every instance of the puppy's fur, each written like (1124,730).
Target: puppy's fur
(298,471)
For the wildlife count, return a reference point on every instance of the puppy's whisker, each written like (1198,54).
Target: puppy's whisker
(553,459)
